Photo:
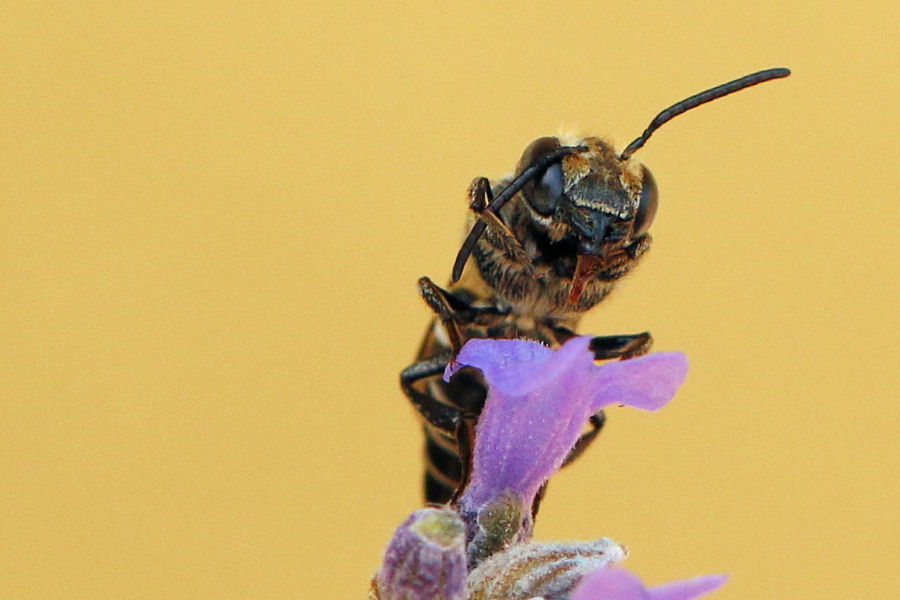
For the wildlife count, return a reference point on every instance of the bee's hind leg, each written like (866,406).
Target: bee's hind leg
(596,422)
(443,470)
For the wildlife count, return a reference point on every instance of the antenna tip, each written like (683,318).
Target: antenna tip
(458,265)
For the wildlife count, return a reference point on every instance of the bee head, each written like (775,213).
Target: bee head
(602,200)
(592,207)
(592,194)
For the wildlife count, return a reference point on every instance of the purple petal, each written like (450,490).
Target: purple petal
(614,583)
(513,366)
(539,400)
(689,588)
(610,583)
(425,559)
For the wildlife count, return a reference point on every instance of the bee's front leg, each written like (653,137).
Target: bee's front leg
(480,196)
(455,313)
(448,309)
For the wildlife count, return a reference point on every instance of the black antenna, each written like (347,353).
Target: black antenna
(508,192)
(545,161)
(702,98)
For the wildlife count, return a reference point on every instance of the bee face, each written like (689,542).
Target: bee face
(582,222)
(605,201)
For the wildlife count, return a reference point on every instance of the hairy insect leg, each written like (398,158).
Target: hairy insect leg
(538,498)
(443,472)
(623,347)
(439,415)
(638,247)
(465,443)
(468,389)
(441,302)
(450,429)
(480,196)
(596,423)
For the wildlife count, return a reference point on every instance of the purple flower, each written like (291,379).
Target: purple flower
(613,583)
(538,402)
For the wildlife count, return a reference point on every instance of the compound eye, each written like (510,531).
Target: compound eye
(536,150)
(649,202)
(548,191)
(544,192)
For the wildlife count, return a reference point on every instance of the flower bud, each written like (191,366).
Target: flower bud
(548,571)
(425,560)
(495,526)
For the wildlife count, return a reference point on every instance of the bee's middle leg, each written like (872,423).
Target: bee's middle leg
(439,415)
(623,346)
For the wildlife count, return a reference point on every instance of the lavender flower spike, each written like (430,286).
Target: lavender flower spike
(538,401)
(614,583)
(425,560)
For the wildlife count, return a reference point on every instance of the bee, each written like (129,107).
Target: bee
(546,244)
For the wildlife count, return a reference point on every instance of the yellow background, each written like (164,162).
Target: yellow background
(211,223)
